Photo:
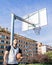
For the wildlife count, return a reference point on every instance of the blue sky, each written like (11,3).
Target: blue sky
(22,8)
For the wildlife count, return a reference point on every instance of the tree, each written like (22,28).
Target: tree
(49,54)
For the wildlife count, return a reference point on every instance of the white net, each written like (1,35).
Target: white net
(37,30)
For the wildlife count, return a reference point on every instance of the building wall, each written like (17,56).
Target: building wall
(42,49)
(4,40)
(29,47)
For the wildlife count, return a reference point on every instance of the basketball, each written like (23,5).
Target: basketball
(18,56)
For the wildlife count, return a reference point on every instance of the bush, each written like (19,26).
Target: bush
(45,59)
(49,54)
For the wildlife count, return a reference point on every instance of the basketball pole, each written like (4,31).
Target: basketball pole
(13,18)
(12,29)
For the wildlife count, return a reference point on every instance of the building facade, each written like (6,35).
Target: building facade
(29,47)
(42,49)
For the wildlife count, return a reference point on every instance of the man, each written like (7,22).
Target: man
(12,54)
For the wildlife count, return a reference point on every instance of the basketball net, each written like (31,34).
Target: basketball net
(37,30)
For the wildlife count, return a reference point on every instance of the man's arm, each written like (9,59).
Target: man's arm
(7,49)
(5,57)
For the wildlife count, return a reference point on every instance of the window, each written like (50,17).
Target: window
(19,40)
(7,42)
(25,50)
(36,51)
(1,57)
(26,43)
(1,47)
(36,48)
(32,44)
(2,41)
(3,37)
(36,44)
(26,46)
(1,51)
(1,63)
(19,44)
(0,36)
(7,37)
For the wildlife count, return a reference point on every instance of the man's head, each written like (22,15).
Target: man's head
(15,42)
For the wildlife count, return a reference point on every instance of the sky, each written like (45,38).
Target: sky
(22,8)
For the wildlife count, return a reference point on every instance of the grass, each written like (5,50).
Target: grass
(36,64)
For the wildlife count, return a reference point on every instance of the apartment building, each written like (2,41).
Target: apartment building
(46,48)
(29,47)
(42,49)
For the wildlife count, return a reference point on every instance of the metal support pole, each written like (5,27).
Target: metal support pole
(12,29)
(13,18)
(23,20)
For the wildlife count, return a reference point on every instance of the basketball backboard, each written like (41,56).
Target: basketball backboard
(38,18)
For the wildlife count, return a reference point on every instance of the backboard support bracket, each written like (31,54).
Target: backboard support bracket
(13,18)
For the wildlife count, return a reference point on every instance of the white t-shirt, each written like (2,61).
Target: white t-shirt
(12,55)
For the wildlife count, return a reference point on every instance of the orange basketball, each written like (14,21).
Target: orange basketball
(18,55)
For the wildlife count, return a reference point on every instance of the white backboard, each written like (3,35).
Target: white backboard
(39,18)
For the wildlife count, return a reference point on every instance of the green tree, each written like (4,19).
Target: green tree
(49,54)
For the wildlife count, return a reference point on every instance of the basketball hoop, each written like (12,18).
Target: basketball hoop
(37,30)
